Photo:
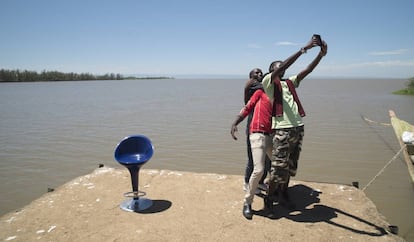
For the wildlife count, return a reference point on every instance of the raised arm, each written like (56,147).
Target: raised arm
(314,63)
(277,72)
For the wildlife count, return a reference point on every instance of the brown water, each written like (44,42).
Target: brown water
(51,133)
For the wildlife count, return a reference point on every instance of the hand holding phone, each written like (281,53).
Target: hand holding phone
(318,39)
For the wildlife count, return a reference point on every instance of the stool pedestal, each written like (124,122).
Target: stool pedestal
(136,201)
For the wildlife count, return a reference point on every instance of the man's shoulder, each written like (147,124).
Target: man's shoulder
(267,76)
(258,92)
(250,82)
(267,81)
(294,79)
(253,85)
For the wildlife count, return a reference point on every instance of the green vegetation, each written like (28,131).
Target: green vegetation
(409,90)
(32,76)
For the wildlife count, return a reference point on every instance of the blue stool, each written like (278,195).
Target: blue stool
(133,152)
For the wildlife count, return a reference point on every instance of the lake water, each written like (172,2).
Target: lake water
(52,132)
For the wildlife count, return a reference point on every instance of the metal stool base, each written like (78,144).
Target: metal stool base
(136,205)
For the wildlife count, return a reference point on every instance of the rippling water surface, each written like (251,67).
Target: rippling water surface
(52,132)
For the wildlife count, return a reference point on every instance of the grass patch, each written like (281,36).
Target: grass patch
(406,91)
(409,90)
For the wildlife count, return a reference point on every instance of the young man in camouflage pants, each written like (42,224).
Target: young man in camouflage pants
(287,124)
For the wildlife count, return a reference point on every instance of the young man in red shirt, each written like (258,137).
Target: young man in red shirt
(252,85)
(260,141)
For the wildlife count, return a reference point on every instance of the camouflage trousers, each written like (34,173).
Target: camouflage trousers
(287,145)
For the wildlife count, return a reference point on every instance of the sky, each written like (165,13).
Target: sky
(366,38)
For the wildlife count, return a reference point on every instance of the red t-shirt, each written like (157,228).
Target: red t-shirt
(262,116)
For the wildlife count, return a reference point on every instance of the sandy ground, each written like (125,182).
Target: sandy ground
(192,207)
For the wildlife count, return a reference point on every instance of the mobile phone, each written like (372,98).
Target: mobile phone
(318,39)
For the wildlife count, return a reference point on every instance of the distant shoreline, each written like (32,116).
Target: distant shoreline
(55,76)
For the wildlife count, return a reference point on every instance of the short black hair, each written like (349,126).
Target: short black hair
(273,65)
(252,72)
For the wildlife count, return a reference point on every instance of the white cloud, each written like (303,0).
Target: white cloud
(394,63)
(391,52)
(397,69)
(286,43)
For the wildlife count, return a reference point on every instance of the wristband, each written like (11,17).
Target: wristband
(303,50)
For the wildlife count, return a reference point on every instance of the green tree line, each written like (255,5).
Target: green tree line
(409,90)
(33,76)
